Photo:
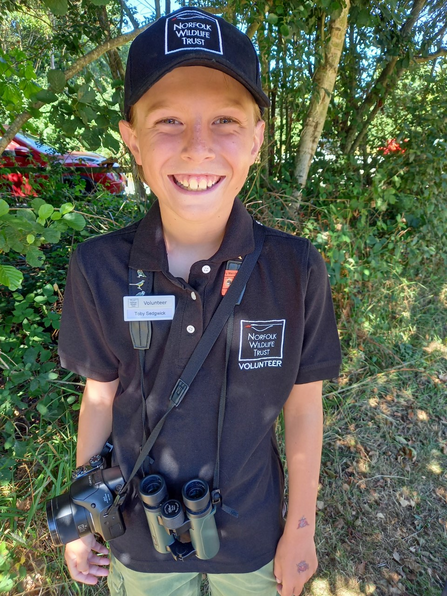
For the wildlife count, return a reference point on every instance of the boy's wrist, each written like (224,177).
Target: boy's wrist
(299,525)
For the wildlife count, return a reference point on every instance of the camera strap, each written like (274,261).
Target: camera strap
(224,311)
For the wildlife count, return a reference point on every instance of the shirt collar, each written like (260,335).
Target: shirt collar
(149,251)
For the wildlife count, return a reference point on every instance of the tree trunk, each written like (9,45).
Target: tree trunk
(265,72)
(113,57)
(324,82)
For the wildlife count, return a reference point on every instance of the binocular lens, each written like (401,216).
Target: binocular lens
(196,495)
(153,490)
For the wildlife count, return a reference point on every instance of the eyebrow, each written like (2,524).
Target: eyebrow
(162,105)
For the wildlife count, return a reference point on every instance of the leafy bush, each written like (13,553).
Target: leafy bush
(25,230)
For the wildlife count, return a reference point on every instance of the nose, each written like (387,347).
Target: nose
(198,144)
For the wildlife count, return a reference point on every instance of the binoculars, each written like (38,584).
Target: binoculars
(171,530)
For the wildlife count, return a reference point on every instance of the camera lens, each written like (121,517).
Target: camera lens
(196,495)
(153,490)
(66,521)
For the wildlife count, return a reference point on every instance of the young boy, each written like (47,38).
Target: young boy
(193,102)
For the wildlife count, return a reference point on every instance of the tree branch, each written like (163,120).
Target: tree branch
(429,57)
(381,86)
(129,14)
(74,69)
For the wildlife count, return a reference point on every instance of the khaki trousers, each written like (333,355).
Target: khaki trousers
(125,582)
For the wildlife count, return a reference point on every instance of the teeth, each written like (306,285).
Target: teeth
(197,182)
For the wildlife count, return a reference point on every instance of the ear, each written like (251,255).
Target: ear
(130,139)
(258,139)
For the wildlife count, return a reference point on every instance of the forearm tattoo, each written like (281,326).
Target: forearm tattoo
(302,523)
(302,567)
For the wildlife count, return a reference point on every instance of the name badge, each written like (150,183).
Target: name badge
(149,308)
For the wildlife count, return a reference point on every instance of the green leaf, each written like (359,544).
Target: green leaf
(45,211)
(42,409)
(284,30)
(99,2)
(92,139)
(30,88)
(110,142)
(57,7)
(86,94)
(30,238)
(37,203)
(66,208)
(56,79)
(6,583)
(4,207)
(51,235)
(75,221)
(48,290)
(29,71)
(363,17)
(10,277)
(69,127)
(34,256)
(11,95)
(102,121)
(272,18)
(45,96)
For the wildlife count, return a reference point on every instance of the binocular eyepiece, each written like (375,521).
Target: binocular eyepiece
(171,530)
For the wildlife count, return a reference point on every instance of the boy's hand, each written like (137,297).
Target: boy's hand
(295,563)
(83,564)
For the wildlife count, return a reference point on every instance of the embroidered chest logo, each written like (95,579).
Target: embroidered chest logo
(261,344)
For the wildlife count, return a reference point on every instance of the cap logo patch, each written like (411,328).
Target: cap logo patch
(192,30)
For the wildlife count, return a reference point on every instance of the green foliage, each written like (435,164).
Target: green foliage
(26,230)
(11,569)
(17,81)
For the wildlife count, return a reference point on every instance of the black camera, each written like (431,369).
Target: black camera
(86,507)
(170,530)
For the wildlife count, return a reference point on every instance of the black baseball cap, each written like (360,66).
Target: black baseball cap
(191,37)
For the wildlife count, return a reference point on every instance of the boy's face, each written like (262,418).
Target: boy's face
(195,133)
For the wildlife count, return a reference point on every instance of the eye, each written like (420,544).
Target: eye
(168,121)
(225,120)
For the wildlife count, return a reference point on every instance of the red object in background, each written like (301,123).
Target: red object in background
(26,151)
(392,146)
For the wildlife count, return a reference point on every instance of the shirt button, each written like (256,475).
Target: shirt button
(190,329)
(206,269)
(193,296)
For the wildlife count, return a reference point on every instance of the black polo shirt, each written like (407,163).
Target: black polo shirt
(284,333)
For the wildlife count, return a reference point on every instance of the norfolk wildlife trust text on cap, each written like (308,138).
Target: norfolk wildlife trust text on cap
(191,37)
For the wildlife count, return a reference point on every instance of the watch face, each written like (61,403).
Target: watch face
(95,461)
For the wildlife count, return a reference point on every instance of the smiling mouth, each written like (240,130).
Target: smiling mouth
(196,183)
